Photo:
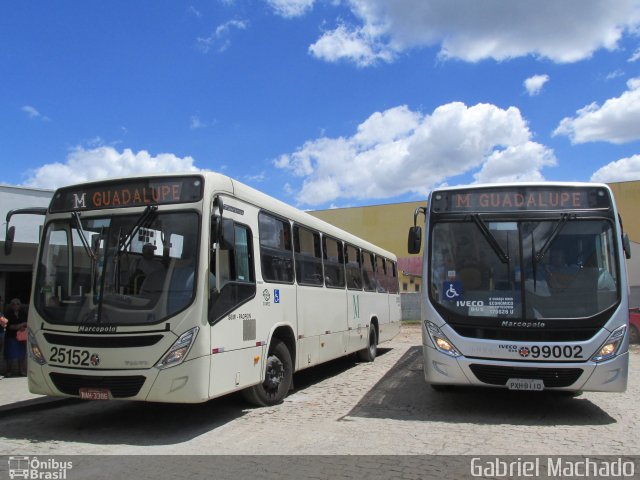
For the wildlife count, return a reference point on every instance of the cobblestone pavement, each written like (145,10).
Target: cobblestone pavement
(344,407)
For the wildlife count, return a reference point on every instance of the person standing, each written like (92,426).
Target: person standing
(15,351)
(3,326)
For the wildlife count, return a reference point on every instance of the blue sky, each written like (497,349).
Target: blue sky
(321,103)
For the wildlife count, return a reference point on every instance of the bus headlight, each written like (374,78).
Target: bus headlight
(34,350)
(440,341)
(610,348)
(179,350)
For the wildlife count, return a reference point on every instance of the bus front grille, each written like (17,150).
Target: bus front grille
(552,377)
(119,386)
(109,341)
(526,335)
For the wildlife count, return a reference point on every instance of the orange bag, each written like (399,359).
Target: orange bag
(21,335)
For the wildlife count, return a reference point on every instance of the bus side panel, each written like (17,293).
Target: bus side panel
(321,317)
(392,328)
(374,305)
(236,369)
(356,320)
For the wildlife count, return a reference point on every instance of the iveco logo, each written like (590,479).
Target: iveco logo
(469,303)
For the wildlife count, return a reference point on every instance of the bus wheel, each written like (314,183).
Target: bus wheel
(369,354)
(277,379)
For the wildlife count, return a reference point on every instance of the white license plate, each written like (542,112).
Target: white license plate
(525,384)
(94,394)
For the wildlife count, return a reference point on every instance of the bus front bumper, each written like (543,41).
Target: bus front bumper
(608,376)
(179,384)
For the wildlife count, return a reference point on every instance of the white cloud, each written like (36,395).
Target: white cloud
(196,123)
(534,84)
(219,39)
(617,121)
(400,151)
(291,8)
(34,113)
(635,57)
(623,170)
(562,31)
(613,75)
(101,163)
(194,11)
(357,46)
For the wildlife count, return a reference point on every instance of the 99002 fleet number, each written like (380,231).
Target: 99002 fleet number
(557,351)
(72,356)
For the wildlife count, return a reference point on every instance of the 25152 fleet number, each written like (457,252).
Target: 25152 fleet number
(71,356)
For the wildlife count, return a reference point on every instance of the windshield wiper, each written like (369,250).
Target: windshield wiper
(504,258)
(148,212)
(83,238)
(556,231)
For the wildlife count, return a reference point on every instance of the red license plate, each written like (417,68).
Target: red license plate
(94,394)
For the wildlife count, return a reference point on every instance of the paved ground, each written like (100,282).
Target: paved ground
(344,407)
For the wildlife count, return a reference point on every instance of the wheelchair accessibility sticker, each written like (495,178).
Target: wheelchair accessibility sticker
(452,290)
(276,296)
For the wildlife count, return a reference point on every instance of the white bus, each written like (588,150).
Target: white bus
(525,287)
(182,288)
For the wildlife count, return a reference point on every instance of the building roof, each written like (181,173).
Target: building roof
(411,266)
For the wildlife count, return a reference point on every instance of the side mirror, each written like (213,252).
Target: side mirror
(415,239)
(8,241)
(626,245)
(225,233)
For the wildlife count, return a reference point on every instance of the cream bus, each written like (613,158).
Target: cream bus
(182,288)
(527,288)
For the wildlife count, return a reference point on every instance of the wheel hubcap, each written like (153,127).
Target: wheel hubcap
(274,374)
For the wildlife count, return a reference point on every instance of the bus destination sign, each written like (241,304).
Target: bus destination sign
(128,193)
(520,199)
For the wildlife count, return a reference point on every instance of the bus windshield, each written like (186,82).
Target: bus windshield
(551,269)
(117,269)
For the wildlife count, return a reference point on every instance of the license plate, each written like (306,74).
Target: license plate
(94,394)
(525,384)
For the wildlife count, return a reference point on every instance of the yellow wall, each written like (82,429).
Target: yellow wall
(386,226)
(627,195)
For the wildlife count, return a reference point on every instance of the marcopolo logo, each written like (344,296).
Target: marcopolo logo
(33,468)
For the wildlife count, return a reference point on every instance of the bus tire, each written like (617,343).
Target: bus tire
(277,379)
(369,354)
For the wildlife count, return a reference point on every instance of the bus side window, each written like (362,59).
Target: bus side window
(333,263)
(308,256)
(237,271)
(368,271)
(392,273)
(353,270)
(276,252)
(381,275)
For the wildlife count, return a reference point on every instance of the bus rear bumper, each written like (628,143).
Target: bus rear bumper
(442,369)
